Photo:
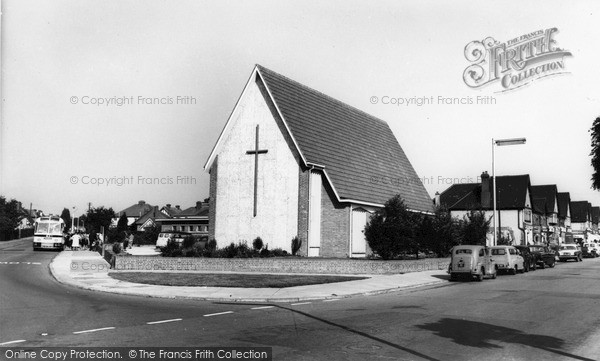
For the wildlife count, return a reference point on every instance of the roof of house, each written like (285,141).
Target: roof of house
(136,210)
(511,192)
(171,211)
(196,211)
(564,198)
(360,154)
(153,213)
(579,211)
(540,206)
(547,192)
(595,214)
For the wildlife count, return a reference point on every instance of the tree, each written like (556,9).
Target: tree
(391,230)
(475,227)
(595,153)
(122,223)
(9,217)
(440,232)
(99,217)
(66,216)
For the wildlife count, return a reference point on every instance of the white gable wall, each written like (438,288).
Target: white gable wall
(276,221)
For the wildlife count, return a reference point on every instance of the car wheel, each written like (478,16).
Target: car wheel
(552,264)
(534,266)
(514,270)
(543,265)
(494,275)
(480,275)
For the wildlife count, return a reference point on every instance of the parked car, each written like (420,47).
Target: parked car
(590,249)
(569,251)
(530,259)
(471,261)
(163,238)
(545,256)
(507,258)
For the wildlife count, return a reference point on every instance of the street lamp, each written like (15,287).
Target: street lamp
(500,142)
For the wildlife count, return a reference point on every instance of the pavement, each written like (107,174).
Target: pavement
(88,270)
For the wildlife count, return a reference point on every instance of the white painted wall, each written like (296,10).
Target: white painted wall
(276,221)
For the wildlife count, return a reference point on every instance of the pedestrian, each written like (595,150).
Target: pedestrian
(75,245)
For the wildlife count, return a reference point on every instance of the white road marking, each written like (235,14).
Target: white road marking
(301,303)
(94,330)
(36,263)
(262,307)
(10,342)
(164,321)
(331,300)
(217,314)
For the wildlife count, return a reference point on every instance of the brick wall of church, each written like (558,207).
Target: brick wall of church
(212,202)
(303,206)
(335,225)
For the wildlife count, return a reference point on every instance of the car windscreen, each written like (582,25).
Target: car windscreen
(568,247)
(464,251)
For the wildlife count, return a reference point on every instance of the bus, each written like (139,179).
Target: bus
(48,233)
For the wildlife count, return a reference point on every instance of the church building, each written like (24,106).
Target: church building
(292,161)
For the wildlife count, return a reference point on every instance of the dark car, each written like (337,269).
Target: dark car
(530,259)
(544,255)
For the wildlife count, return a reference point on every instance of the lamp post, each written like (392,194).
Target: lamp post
(500,142)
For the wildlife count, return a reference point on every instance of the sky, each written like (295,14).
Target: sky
(177,69)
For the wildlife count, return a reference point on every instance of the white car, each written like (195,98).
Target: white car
(508,258)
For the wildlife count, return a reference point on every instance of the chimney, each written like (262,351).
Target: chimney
(177,206)
(168,205)
(141,203)
(198,205)
(486,195)
(436,200)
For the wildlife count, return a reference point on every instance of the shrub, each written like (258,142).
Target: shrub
(474,228)
(278,252)
(257,244)
(211,245)
(265,251)
(117,248)
(296,244)
(391,230)
(188,241)
(172,249)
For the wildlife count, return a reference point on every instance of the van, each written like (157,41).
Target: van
(471,261)
(164,237)
(508,258)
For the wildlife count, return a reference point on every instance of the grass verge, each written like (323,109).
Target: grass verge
(227,279)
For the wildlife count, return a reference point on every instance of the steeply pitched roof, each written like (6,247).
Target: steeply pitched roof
(579,211)
(136,210)
(540,206)
(153,213)
(511,192)
(361,156)
(170,211)
(595,214)
(548,193)
(564,198)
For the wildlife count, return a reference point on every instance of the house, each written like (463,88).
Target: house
(169,211)
(148,220)
(595,219)
(193,220)
(515,221)
(292,161)
(133,213)
(580,220)
(545,202)
(564,217)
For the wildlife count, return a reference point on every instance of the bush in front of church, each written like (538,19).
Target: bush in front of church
(392,229)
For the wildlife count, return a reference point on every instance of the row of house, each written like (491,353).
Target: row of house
(143,215)
(525,214)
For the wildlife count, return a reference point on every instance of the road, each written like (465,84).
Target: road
(548,314)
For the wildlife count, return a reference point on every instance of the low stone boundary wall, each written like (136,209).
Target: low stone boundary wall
(279,265)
